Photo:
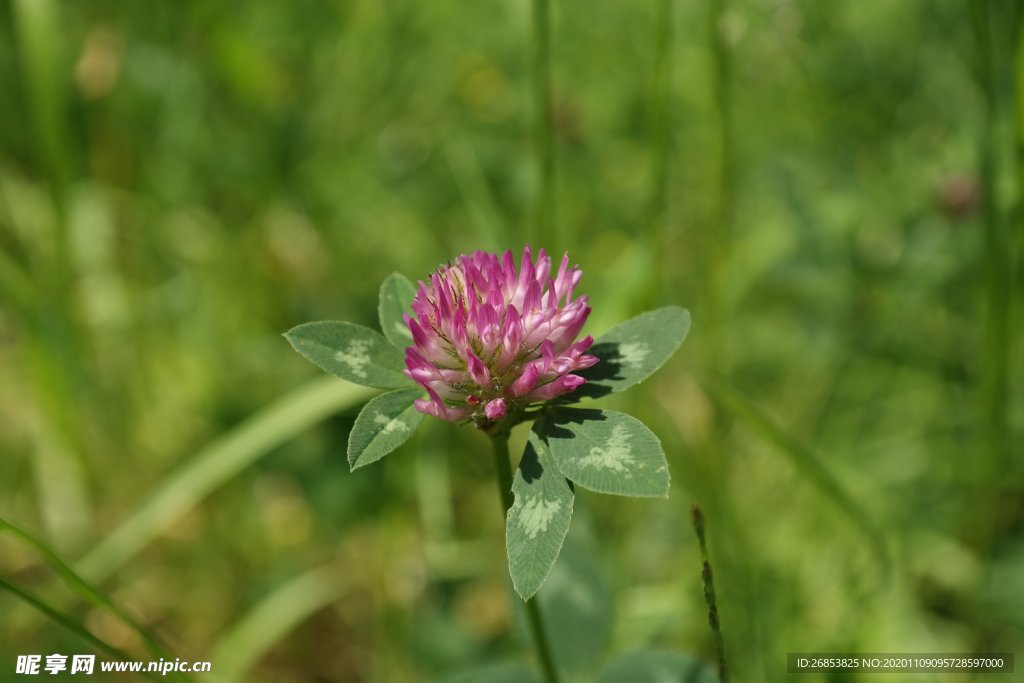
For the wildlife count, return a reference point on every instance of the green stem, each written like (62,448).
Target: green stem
(709,594)
(1018,46)
(658,232)
(718,236)
(721,93)
(996,262)
(533,613)
(545,219)
(660,121)
(504,466)
(540,639)
(995,253)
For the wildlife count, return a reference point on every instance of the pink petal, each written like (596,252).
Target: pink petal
(526,381)
(477,370)
(562,385)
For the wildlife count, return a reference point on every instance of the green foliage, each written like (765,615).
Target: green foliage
(88,593)
(495,673)
(829,187)
(653,666)
(810,465)
(215,464)
(536,525)
(396,295)
(351,352)
(577,603)
(606,451)
(384,424)
(68,624)
(272,618)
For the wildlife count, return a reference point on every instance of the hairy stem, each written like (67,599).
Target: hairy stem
(533,613)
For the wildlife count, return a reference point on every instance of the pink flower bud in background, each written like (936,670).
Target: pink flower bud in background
(488,340)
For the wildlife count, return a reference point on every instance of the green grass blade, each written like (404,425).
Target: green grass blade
(545,229)
(218,463)
(807,463)
(996,255)
(661,125)
(477,195)
(68,624)
(88,592)
(273,618)
(37,25)
(15,285)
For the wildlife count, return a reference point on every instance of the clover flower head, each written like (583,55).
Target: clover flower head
(488,340)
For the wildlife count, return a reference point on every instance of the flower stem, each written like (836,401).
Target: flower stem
(709,594)
(504,466)
(533,613)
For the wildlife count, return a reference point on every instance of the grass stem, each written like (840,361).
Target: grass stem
(661,130)
(995,255)
(656,234)
(718,236)
(709,594)
(544,223)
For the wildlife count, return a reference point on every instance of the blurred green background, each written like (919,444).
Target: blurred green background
(833,188)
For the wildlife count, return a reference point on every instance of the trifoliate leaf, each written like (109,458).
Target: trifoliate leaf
(606,451)
(396,295)
(633,350)
(539,519)
(351,352)
(384,424)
